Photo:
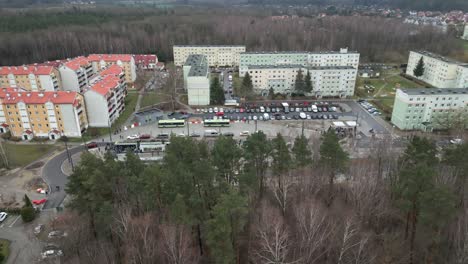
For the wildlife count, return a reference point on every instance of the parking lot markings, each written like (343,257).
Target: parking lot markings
(16,219)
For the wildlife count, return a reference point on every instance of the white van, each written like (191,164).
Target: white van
(211,133)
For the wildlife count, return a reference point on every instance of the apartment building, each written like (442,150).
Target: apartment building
(216,55)
(303,58)
(465,33)
(439,71)
(29,114)
(31,77)
(146,61)
(333,81)
(126,61)
(462,76)
(76,74)
(105,99)
(197,79)
(422,109)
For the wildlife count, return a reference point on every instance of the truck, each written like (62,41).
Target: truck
(286,107)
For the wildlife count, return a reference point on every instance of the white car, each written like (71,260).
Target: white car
(302,115)
(255,117)
(215,109)
(3,216)
(51,253)
(57,234)
(210,110)
(455,141)
(133,137)
(244,133)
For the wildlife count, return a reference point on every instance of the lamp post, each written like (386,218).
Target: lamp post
(110,129)
(70,160)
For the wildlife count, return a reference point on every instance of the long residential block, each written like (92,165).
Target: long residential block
(197,79)
(427,109)
(216,55)
(126,61)
(29,114)
(439,71)
(30,77)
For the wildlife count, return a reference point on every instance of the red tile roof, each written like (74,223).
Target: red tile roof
(145,59)
(26,70)
(13,96)
(106,84)
(110,57)
(55,63)
(77,62)
(114,69)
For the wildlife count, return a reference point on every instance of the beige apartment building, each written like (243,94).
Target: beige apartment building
(29,114)
(216,55)
(31,77)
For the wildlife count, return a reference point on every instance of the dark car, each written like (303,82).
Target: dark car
(296,117)
(228,134)
(92,145)
(145,136)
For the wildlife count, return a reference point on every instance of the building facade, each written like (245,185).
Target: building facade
(105,100)
(126,61)
(428,109)
(216,55)
(76,74)
(42,114)
(303,58)
(439,71)
(465,33)
(31,78)
(197,79)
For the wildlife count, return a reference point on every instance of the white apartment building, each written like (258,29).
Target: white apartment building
(420,109)
(465,33)
(462,76)
(197,79)
(216,55)
(76,74)
(439,71)
(326,81)
(105,100)
(304,58)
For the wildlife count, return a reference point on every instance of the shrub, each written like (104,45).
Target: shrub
(28,213)
(15,139)
(6,135)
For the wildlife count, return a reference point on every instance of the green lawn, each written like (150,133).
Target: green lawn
(4,249)
(20,155)
(152,98)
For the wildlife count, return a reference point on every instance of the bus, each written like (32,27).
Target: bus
(171,123)
(216,122)
(123,147)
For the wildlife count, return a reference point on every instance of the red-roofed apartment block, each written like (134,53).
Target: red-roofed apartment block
(126,61)
(76,74)
(31,77)
(105,99)
(42,114)
(146,61)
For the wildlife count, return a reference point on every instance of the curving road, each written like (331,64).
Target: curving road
(53,175)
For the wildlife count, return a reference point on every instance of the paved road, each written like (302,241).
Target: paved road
(53,175)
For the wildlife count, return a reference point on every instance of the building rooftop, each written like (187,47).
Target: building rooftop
(110,57)
(198,63)
(76,63)
(210,46)
(105,84)
(114,69)
(145,59)
(26,70)
(13,96)
(440,91)
(437,57)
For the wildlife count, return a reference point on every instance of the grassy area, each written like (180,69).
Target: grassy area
(152,98)
(130,103)
(4,249)
(20,155)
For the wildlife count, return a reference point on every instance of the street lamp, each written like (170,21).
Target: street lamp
(70,160)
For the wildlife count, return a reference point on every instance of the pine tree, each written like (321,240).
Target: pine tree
(271,93)
(247,86)
(302,154)
(308,82)
(299,85)
(216,92)
(419,69)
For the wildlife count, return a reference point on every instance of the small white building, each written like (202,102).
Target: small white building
(197,80)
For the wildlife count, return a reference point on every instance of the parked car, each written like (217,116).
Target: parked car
(39,202)
(57,234)
(456,141)
(228,134)
(194,134)
(3,216)
(133,137)
(51,253)
(145,136)
(91,145)
(244,133)
(38,229)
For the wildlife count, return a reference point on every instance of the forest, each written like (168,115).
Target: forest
(269,201)
(36,36)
